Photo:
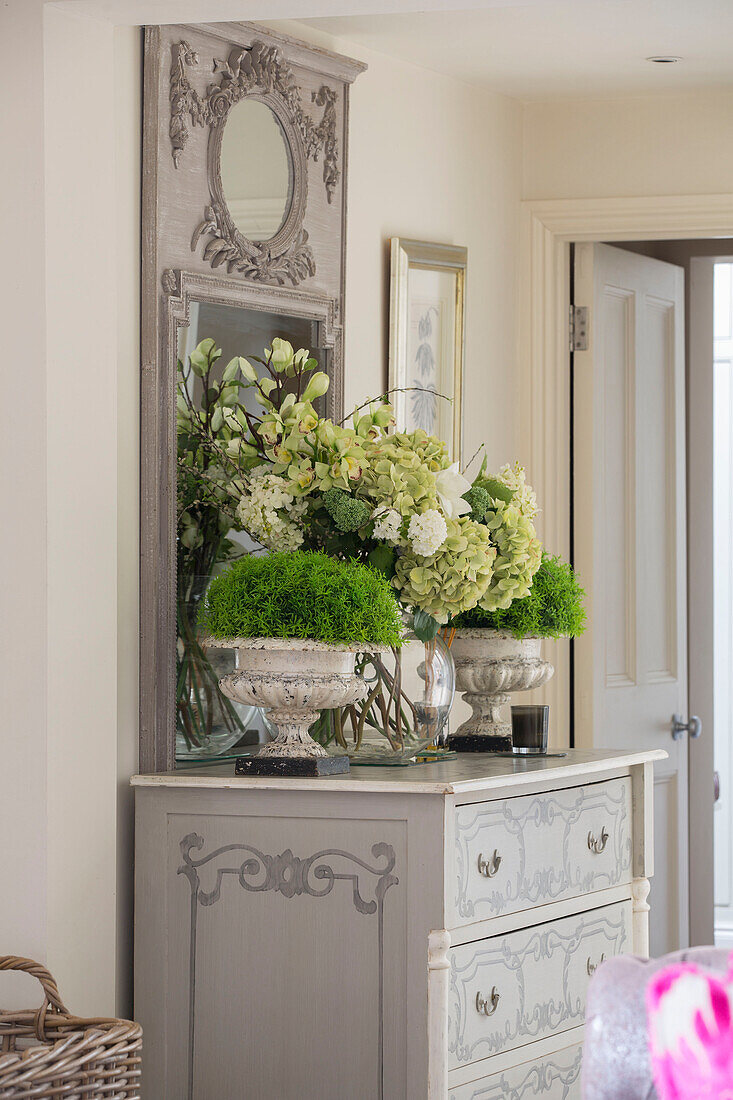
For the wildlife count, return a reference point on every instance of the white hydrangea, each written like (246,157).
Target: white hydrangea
(388,523)
(427,532)
(271,514)
(525,498)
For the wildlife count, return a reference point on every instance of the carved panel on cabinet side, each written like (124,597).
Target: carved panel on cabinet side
(299,944)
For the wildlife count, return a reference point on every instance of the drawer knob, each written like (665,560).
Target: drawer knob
(597,844)
(487,1007)
(591,967)
(489,867)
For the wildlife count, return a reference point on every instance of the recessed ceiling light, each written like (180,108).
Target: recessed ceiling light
(667,59)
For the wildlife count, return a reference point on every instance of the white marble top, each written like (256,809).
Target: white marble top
(469,772)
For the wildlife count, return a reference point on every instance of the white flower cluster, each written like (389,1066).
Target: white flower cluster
(525,498)
(387,523)
(427,532)
(261,512)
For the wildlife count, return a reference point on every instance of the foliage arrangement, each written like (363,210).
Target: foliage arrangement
(302,594)
(256,456)
(206,516)
(358,489)
(553,609)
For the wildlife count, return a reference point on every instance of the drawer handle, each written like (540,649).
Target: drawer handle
(597,845)
(489,867)
(592,967)
(487,1008)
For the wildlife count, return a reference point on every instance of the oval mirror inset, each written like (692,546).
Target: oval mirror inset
(255,170)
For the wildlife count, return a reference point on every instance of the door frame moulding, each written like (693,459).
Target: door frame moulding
(548,227)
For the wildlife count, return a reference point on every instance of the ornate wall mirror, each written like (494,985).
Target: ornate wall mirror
(256,171)
(243,224)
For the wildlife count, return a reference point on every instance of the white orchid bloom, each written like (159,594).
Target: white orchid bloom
(450,486)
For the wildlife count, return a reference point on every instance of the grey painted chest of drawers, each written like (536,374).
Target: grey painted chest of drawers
(396,933)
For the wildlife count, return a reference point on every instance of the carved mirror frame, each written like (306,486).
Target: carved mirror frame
(244,255)
(193,251)
(257,71)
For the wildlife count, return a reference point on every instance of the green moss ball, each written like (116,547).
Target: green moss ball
(553,608)
(302,595)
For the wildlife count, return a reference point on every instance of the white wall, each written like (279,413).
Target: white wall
(81,533)
(70,475)
(23,489)
(631,146)
(437,160)
(430,158)
(92,257)
(128,52)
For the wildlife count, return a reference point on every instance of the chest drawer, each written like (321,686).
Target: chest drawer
(510,990)
(556,1077)
(516,853)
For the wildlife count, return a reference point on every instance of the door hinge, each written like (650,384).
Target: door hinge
(578,328)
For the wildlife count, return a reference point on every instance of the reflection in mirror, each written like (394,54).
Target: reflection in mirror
(209,533)
(256,172)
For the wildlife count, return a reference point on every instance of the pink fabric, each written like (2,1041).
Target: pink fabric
(616,1058)
(691,1032)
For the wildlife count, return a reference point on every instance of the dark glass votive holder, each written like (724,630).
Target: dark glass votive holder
(530,725)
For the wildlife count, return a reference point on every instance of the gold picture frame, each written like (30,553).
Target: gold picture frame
(426,338)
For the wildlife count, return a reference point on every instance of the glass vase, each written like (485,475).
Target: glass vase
(207,723)
(409,696)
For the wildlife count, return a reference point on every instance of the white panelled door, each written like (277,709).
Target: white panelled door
(630,541)
(723,597)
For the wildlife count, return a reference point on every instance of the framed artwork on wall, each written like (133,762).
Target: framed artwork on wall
(426,345)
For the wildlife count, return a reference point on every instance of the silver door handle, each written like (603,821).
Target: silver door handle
(489,867)
(591,967)
(487,1005)
(597,844)
(693,724)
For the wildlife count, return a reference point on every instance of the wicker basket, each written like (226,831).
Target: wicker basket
(49,1055)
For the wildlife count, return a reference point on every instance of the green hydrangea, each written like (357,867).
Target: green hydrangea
(454,579)
(347,512)
(400,471)
(518,555)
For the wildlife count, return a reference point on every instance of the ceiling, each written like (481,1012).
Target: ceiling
(545,48)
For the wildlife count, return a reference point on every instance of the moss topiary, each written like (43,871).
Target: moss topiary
(302,595)
(553,608)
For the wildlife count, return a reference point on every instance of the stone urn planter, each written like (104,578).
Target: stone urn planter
(489,665)
(295,679)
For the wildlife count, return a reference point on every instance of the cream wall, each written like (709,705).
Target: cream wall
(127,54)
(23,700)
(430,158)
(433,159)
(69,302)
(653,145)
(92,174)
(81,521)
